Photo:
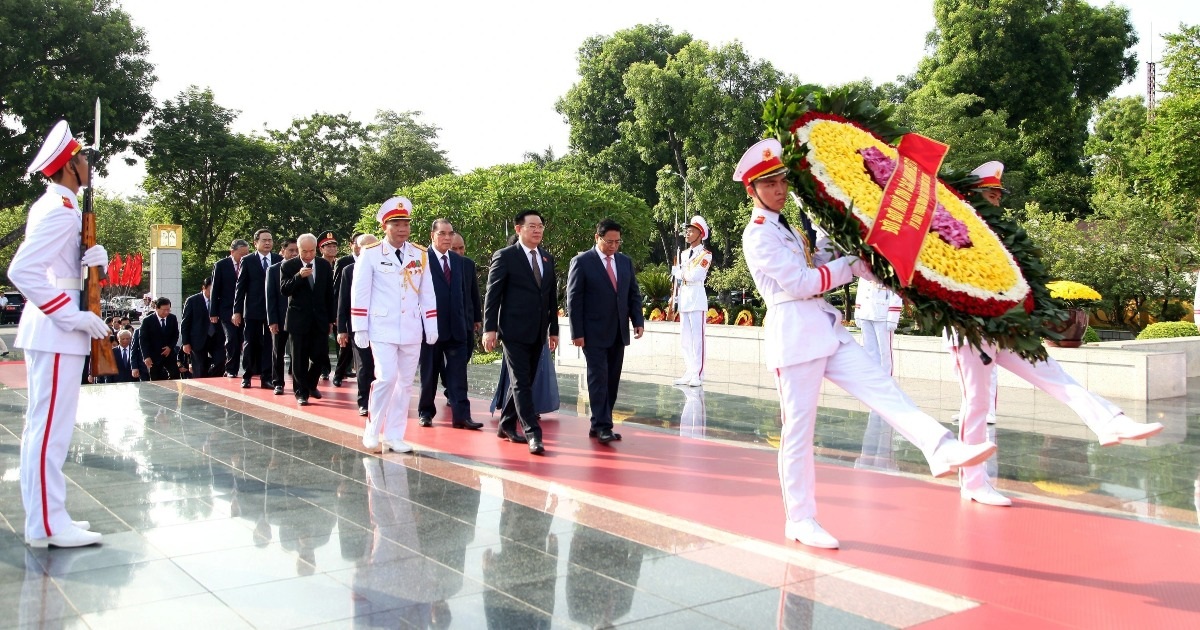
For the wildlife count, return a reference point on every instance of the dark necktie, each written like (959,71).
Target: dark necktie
(312,277)
(264,259)
(446,267)
(537,270)
(163,322)
(125,355)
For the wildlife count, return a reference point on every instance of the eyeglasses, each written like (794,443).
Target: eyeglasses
(612,243)
(533,226)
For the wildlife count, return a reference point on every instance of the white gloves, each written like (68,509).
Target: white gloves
(860,268)
(361,339)
(95,256)
(85,322)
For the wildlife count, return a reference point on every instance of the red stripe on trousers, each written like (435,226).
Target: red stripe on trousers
(45,445)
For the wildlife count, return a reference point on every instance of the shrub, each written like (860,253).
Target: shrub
(1167,330)
(1091,336)
(656,287)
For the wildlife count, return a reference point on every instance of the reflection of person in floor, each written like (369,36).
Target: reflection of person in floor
(877,451)
(392,579)
(1105,419)
(524,569)
(603,572)
(805,342)
(444,540)
(795,608)
(694,417)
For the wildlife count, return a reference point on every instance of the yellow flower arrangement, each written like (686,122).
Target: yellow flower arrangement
(1074,294)
(983,279)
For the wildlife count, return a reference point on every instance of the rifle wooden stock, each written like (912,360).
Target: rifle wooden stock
(103,362)
(670,315)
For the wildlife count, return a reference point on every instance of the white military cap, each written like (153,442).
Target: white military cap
(395,209)
(990,174)
(763,159)
(699,223)
(58,149)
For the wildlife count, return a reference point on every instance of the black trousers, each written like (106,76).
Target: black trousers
(164,368)
(345,360)
(366,373)
(256,350)
(279,343)
(449,360)
(521,361)
(603,378)
(233,346)
(310,359)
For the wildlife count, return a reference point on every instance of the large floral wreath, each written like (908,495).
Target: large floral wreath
(977,273)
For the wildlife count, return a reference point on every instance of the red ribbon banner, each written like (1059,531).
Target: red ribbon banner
(908,202)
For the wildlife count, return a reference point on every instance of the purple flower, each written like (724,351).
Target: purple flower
(944,224)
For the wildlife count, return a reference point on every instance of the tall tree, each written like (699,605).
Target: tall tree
(1046,64)
(58,56)
(401,150)
(200,171)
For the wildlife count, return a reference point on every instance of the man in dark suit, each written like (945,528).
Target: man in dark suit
(459,246)
(201,338)
(307,282)
(160,335)
(345,356)
(277,313)
(224,284)
(602,299)
(345,331)
(519,309)
(123,353)
(447,357)
(250,310)
(137,366)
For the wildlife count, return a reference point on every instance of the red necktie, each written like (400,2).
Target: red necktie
(446,267)
(612,275)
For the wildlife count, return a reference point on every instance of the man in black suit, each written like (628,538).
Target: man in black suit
(345,356)
(123,354)
(459,246)
(307,282)
(519,309)
(345,331)
(250,310)
(201,338)
(448,356)
(160,335)
(224,284)
(602,299)
(277,313)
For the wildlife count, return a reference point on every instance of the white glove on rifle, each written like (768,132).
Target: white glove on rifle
(95,256)
(85,322)
(362,340)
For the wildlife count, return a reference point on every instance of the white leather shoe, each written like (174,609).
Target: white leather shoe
(84,525)
(991,418)
(696,382)
(986,495)
(683,380)
(1122,427)
(809,532)
(370,442)
(952,454)
(399,446)
(71,537)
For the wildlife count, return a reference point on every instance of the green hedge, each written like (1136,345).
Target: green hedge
(1091,336)
(1167,330)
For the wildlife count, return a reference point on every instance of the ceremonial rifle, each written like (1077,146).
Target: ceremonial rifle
(103,363)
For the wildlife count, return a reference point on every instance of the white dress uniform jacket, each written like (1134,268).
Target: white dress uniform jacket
(792,289)
(47,270)
(877,303)
(691,272)
(392,297)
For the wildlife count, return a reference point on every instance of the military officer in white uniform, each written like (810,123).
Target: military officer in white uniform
(805,341)
(56,334)
(690,270)
(877,313)
(392,305)
(1105,419)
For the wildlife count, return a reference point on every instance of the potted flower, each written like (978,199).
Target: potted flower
(1077,298)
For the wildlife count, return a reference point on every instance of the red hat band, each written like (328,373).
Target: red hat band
(762,168)
(72,147)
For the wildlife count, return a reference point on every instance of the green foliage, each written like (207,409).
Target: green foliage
(656,287)
(57,58)
(1181,60)
(485,358)
(1168,330)
(734,277)
(975,135)
(1091,336)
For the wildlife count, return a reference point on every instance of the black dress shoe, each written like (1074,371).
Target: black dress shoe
(265,385)
(511,437)
(362,411)
(245,384)
(337,382)
(535,446)
(324,377)
(315,394)
(426,421)
(467,424)
(351,374)
(230,375)
(303,402)
(591,433)
(279,391)
(607,436)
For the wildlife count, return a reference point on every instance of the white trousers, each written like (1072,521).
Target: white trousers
(395,370)
(993,392)
(694,417)
(691,337)
(1047,376)
(53,381)
(877,341)
(850,368)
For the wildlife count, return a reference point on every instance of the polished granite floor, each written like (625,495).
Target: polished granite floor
(217,518)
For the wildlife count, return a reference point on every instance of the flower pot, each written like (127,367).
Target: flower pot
(1072,331)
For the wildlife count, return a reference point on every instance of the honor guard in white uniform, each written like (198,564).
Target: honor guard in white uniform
(1105,419)
(805,341)
(690,270)
(56,334)
(392,309)
(877,313)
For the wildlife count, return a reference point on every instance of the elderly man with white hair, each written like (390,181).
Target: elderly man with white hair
(307,283)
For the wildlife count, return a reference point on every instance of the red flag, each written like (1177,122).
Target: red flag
(908,202)
(114,271)
(136,276)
